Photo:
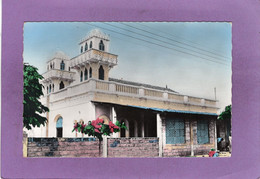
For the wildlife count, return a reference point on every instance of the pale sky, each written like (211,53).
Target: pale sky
(191,58)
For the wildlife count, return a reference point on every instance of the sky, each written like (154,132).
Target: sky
(191,58)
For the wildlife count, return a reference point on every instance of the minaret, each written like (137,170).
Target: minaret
(58,74)
(94,60)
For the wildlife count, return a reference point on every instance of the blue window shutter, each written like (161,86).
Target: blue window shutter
(59,123)
(175,131)
(203,131)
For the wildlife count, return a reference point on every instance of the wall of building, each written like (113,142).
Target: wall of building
(191,144)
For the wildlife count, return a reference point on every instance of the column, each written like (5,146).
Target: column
(105,146)
(127,133)
(159,132)
(191,140)
(136,128)
(142,121)
(114,119)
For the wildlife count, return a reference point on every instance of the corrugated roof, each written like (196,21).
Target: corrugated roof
(141,84)
(174,111)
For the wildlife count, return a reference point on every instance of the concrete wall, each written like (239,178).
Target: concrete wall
(64,147)
(90,147)
(133,147)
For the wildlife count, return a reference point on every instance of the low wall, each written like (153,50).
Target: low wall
(133,147)
(64,147)
(90,147)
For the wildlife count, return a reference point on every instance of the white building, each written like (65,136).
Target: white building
(79,89)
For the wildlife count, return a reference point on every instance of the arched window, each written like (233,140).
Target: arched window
(52,87)
(90,45)
(62,65)
(81,49)
(47,89)
(59,127)
(86,46)
(61,85)
(81,76)
(69,68)
(90,72)
(51,65)
(101,73)
(86,74)
(101,45)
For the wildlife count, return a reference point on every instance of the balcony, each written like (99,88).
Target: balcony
(93,55)
(58,74)
(134,92)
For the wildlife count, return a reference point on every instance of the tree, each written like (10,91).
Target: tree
(226,115)
(32,90)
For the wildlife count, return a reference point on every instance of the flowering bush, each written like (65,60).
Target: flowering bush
(97,128)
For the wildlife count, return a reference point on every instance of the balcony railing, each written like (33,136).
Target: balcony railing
(93,55)
(59,74)
(112,87)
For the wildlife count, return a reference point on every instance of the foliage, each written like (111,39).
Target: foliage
(97,128)
(226,115)
(32,90)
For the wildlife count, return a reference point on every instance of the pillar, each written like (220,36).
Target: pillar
(191,140)
(136,128)
(105,146)
(127,132)
(142,121)
(114,119)
(159,132)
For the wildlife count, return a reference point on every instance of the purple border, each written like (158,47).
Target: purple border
(244,16)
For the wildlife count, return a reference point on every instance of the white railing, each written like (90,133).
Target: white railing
(126,89)
(111,87)
(93,55)
(55,73)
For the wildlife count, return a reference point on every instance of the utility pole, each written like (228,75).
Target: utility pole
(215,92)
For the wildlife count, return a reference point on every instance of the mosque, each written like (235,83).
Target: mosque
(79,89)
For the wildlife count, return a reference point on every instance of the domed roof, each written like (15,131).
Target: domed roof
(96,33)
(61,55)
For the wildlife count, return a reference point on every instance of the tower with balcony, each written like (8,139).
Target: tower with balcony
(58,74)
(94,60)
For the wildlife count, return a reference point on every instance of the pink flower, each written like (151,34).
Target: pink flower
(96,130)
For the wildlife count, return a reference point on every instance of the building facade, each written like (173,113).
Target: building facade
(80,90)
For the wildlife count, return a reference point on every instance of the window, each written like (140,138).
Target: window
(90,45)
(52,87)
(86,46)
(53,65)
(203,131)
(175,131)
(81,49)
(61,85)
(62,65)
(59,127)
(81,76)
(101,45)
(101,73)
(86,74)
(69,68)
(47,90)
(90,72)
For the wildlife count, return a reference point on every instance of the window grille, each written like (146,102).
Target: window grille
(203,131)
(175,131)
